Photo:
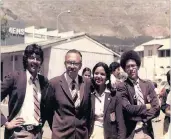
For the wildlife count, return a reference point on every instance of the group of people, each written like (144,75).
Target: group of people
(79,107)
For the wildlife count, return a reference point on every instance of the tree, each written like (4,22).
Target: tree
(4,28)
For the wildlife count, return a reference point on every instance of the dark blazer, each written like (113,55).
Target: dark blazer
(68,122)
(14,85)
(134,113)
(163,108)
(113,128)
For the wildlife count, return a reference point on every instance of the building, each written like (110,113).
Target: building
(37,34)
(54,52)
(156,58)
(12,32)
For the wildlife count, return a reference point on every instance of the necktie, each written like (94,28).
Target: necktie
(36,102)
(74,93)
(138,93)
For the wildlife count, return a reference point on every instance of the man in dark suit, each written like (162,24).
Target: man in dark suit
(72,101)
(28,98)
(139,99)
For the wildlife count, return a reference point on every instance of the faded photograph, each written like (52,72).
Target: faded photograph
(85,69)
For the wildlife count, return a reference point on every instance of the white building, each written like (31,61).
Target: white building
(156,58)
(35,34)
(54,53)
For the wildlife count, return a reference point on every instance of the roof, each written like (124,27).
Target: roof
(139,48)
(163,43)
(156,42)
(51,43)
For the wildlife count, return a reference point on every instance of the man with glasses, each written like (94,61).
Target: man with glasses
(28,103)
(139,99)
(72,100)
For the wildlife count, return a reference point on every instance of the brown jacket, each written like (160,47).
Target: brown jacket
(14,85)
(68,122)
(134,113)
(113,121)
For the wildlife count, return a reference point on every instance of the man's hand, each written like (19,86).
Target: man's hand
(148,106)
(167,111)
(14,123)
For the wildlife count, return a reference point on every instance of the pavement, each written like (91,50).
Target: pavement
(157,126)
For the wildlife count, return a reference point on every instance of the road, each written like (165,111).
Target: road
(157,126)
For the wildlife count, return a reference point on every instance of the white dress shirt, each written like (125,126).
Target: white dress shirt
(27,110)
(99,107)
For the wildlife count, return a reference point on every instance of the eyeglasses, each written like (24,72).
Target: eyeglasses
(70,63)
(35,58)
(133,66)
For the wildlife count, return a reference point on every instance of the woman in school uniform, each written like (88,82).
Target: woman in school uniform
(107,120)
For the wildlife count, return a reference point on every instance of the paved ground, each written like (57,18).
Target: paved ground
(157,126)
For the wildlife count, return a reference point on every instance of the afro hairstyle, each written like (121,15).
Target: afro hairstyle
(130,55)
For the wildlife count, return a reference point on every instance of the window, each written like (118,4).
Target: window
(141,54)
(15,57)
(167,53)
(150,52)
(161,53)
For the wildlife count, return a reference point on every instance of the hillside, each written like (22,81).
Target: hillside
(119,18)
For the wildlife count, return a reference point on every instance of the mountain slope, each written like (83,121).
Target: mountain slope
(119,18)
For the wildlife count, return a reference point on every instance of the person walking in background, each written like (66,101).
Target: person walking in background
(114,68)
(106,115)
(157,119)
(86,73)
(139,99)
(164,105)
(28,98)
(72,102)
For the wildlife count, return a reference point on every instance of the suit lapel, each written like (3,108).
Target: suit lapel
(107,102)
(131,90)
(82,86)
(65,87)
(143,88)
(93,102)
(42,86)
(21,88)
(22,81)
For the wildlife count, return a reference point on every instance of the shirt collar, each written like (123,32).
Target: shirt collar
(105,91)
(29,75)
(133,81)
(69,80)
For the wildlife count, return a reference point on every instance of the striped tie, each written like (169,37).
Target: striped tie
(74,93)
(36,102)
(138,93)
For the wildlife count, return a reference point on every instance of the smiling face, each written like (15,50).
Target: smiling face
(33,64)
(73,64)
(131,69)
(99,76)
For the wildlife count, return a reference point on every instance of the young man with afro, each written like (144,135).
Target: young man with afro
(139,99)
